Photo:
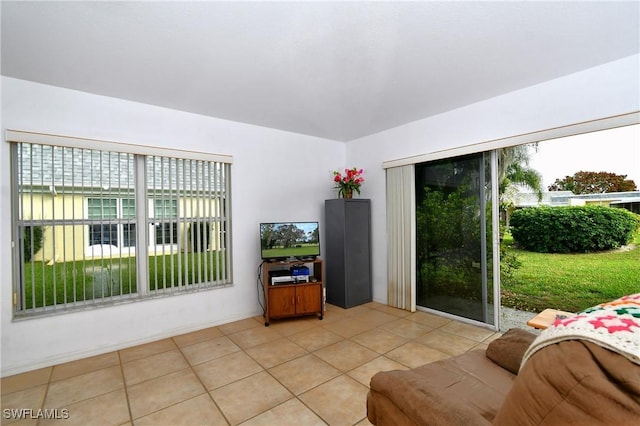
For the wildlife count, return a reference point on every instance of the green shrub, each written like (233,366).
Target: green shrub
(33,237)
(573,229)
(509,262)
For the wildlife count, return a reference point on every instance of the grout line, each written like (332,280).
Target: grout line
(46,391)
(206,391)
(126,388)
(320,326)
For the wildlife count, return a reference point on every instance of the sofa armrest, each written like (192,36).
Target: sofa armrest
(507,350)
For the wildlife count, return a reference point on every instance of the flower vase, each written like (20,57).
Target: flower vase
(347,193)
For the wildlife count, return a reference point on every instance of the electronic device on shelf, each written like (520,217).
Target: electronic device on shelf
(294,275)
(299,270)
(289,241)
(289,279)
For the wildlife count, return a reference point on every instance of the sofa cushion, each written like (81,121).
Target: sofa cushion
(466,389)
(507,350)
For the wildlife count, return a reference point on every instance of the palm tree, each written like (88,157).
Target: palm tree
(513,171)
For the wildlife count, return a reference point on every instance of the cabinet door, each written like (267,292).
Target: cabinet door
(357,253)
(308,298)
(282,301)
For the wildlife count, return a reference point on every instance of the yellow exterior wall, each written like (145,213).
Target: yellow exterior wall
(69,242)
(605,203)
(65,241)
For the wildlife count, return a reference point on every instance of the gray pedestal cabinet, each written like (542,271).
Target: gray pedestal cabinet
(348,252)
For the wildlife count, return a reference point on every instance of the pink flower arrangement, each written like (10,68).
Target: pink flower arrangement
(349,182)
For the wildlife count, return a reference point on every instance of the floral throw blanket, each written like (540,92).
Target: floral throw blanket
(613,325)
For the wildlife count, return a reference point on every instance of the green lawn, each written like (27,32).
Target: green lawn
(570,282)
(68,282)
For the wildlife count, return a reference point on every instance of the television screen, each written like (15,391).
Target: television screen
(284,240)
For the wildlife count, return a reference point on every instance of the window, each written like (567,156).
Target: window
(121,235)
(114,222)
(166,226)
(454,211)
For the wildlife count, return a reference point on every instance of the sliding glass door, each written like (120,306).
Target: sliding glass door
(454,223)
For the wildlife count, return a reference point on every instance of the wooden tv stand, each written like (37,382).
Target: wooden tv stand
(284,300)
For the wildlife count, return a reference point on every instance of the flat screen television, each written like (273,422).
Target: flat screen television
(289,240)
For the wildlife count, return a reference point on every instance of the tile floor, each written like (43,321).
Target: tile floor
(300,371)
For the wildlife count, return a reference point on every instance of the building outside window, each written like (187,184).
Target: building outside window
(81,238)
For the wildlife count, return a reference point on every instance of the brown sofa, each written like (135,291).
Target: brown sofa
(569,382)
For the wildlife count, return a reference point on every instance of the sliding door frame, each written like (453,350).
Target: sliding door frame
(492,146)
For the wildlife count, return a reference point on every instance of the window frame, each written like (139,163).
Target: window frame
(122,221)
(144,235)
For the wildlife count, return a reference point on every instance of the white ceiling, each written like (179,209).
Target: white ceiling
(339,70)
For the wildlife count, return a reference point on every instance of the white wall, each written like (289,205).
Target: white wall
(270,169)
(599,92)
(276,175)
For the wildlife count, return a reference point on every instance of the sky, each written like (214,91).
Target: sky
(614,151)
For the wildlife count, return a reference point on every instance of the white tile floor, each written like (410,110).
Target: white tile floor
(245,373)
